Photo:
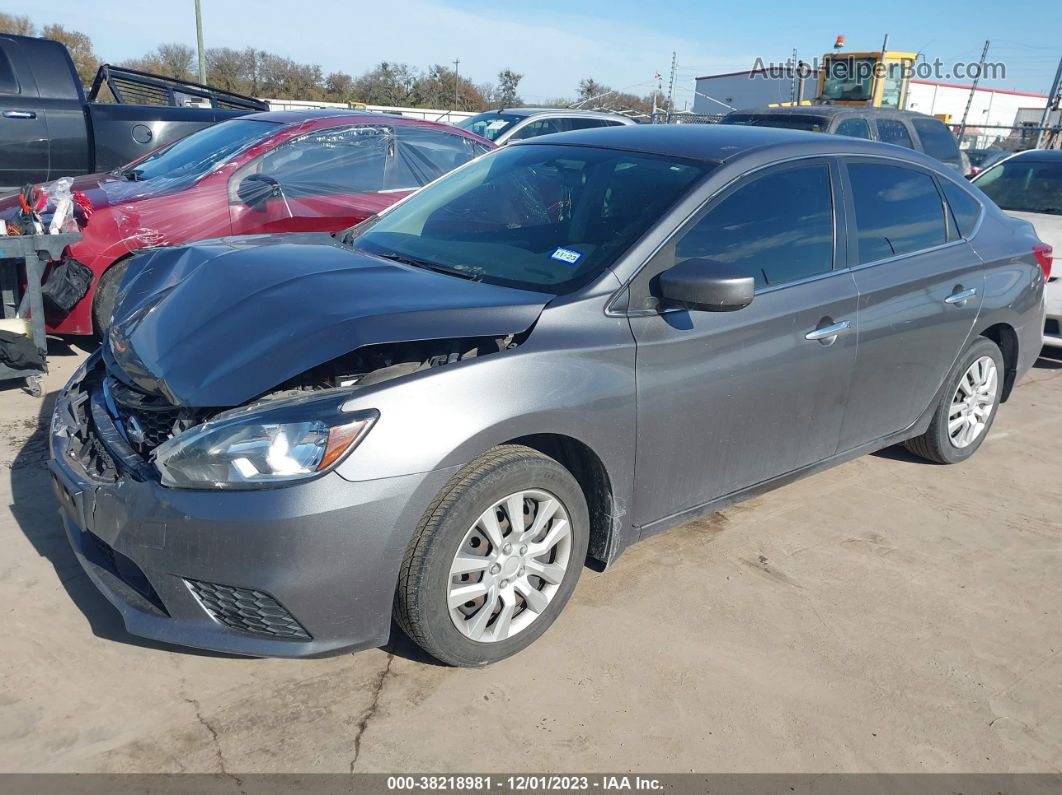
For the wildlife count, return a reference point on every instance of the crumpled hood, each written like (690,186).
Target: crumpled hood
(222,322)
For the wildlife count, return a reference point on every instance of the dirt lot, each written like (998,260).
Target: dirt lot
(887,615)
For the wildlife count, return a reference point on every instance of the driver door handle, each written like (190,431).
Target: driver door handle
(827,334)
(19,114)
(961,297)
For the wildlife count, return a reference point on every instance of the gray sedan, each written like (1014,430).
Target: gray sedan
(557,350)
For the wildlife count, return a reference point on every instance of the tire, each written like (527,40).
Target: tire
(106,293)
(942,444)
(455,523)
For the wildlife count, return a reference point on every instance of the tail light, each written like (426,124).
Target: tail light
(1044,258)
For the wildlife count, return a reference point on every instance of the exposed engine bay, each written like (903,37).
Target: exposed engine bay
(147,420)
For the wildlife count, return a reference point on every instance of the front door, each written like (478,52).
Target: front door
(920,290)
(727,400)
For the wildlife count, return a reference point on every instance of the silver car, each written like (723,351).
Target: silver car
(559,349)
(519,124)
(1028,185)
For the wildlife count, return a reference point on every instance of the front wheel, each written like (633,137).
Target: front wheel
(495,558)
(106,296)
(967,407)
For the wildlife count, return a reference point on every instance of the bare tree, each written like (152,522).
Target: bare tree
(85,59)
(339,86)
(388,84)
(17,25)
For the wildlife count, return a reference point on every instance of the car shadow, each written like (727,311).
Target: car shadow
(36,512)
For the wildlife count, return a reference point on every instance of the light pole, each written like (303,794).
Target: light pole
(199,40)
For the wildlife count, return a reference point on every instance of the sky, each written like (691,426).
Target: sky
(555,43)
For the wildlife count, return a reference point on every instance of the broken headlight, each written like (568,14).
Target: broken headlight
(264,445)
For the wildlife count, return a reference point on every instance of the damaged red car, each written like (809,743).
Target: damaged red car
(291,171)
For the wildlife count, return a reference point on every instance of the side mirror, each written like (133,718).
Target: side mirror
(705,285)
(257,189)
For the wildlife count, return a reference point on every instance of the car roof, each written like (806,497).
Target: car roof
(314,114)
(1042,155)
(556,112)
(833,110)
(719,143)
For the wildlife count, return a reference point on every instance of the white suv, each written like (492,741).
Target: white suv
(515,124)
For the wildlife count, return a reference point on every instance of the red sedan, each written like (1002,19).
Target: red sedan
(318,171)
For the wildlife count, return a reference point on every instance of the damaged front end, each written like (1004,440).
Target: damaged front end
(294,431)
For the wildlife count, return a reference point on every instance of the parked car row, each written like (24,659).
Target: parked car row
(438,413)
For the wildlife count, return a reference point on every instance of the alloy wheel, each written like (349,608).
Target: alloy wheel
(509,566)
(973,401)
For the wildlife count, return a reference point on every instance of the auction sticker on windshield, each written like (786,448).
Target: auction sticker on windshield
(566,255)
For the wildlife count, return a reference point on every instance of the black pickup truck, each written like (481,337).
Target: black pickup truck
(48,129)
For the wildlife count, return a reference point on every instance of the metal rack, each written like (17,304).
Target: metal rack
(35,252)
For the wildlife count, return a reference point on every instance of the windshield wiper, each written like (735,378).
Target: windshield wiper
(133,174)
(429,266)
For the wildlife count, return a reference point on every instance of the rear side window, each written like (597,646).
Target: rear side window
(937,140)
(778,228)
(965,209)
(539,127)
(8,83)
(891,131)
(854,128)
(583,124)
(898,210)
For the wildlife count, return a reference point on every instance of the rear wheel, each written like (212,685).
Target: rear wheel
(967,407)
(106,294)
(495,558)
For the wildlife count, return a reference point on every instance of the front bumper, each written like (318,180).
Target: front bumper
(303,570)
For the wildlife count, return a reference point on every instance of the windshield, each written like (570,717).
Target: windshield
(489,125)
(849,79)
(195,155)
(1024,185)
(539,217)
(787,121)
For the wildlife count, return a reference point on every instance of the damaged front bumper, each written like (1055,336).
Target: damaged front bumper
(302,570)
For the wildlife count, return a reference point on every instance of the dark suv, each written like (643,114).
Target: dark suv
(902,127)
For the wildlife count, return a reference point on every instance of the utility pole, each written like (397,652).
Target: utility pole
(199,39)
(973,90)
(671,86)
(1052,100)
(457,82)
(794,65)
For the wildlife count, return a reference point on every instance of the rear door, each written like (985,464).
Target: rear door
(920,289)
(24,142)
(729,399)
(937,141)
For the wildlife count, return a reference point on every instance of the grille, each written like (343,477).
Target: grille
(148,420)
(248,610)
(100,553)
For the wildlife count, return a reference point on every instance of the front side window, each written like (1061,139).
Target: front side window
(546,126)
(362,158)
(1024,185)
(854,128)
(536,217)
(490,125)
(891,131)
(777,228)
(195,155)
(898,210)
(937,140)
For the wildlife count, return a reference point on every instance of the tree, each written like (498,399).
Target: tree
(388,83)
(169,60)
(233,70)
(17,25)
(339,86)
(85,59)
(437,86)
(590,89)
(505,93)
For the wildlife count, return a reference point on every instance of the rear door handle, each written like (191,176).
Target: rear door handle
(961,297)
(827,334)
(19,114)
